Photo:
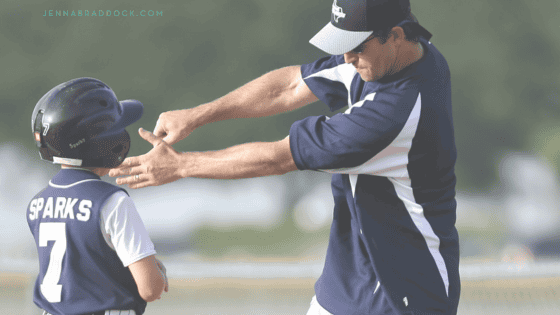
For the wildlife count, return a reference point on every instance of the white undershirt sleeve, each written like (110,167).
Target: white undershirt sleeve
(124,230)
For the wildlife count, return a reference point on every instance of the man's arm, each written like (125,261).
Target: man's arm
(276,92)
(247,160)
(163,164)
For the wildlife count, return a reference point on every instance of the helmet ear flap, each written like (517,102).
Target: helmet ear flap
(38,130)
(121,149)
(109,151)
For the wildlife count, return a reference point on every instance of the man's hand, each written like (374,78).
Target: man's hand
(159,166)
(174,126)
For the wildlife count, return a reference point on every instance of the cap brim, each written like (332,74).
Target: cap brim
(131,111)
(336,41)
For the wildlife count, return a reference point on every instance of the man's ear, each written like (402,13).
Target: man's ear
(397,32)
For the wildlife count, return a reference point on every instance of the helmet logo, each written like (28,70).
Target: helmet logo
(75,145)
(46,126)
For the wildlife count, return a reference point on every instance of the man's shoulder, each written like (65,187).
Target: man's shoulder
(433,63)
(325,63)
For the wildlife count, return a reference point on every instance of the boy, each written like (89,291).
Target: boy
(95,254)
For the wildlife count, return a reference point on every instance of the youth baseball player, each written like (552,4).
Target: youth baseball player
(393,246)
(95,254)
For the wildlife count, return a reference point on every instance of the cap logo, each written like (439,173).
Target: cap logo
(337,12)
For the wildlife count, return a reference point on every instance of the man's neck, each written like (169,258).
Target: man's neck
(410,53)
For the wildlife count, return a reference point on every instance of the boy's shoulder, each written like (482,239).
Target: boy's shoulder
(101,188)
(84,181)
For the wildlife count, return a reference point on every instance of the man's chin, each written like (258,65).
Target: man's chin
(365,78)
(368,77)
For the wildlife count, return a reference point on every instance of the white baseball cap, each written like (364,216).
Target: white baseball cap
(353,21)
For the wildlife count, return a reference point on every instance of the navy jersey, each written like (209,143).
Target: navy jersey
(79,272)
(393,246)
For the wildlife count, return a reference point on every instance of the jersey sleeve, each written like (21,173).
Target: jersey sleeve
(372,137)
(124,230)
(329,79)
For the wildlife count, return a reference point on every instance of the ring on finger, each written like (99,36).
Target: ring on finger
(136,177)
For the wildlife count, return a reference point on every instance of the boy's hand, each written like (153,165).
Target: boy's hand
(164,272)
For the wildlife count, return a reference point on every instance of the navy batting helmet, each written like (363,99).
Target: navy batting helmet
(81,123)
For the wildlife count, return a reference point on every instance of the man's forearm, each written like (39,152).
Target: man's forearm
(241,161)
(278,91)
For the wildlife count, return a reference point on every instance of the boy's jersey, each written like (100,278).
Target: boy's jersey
(393,246)
(79,273)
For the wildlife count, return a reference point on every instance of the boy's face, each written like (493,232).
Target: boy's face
(101,171)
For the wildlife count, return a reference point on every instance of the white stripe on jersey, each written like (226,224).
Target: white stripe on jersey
(404,191)
(343,73)
(71,185)
(393,160)
(392,163)
(376,287)
(353,181)
(369,97)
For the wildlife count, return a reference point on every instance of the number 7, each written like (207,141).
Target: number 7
(53,231)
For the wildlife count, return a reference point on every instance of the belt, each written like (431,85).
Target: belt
(108,312)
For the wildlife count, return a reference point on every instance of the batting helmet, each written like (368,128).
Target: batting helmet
(81,123)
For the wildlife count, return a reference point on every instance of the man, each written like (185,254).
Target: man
(393,246)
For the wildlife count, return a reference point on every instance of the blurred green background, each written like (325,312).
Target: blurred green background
(502,56)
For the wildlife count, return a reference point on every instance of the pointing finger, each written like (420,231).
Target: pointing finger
(150,137)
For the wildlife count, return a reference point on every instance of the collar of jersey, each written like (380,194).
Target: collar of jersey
(70,177)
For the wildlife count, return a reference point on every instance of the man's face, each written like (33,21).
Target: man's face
(376,60)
